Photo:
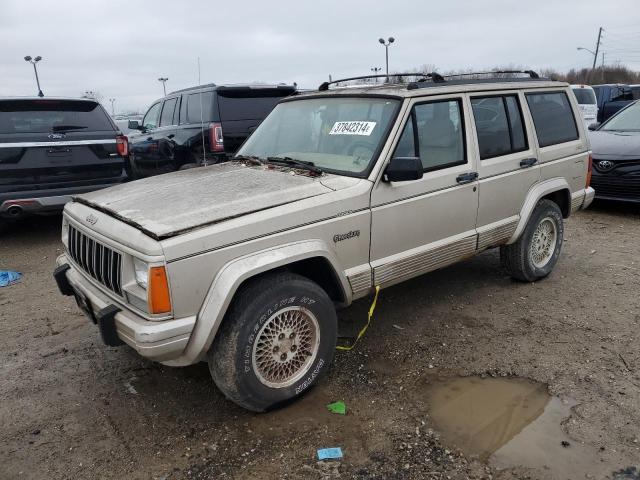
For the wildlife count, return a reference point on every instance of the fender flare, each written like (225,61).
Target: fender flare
(230,277)
(533,197)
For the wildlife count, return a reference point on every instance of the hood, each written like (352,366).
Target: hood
(612,145)
(173,203)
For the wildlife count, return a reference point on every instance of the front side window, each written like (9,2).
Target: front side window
(553,118)
(340,134)
(435,134)
(150,120)
(498,125)
(628,120)
(167,112)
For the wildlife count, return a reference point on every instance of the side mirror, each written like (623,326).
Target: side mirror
(403,169)
(594,126)
(134,125)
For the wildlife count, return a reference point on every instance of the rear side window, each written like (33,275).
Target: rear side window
(585,96)
(45,116)
(552,117)
(167,112)
(246,106)
(435,134)
(499,125)
(200,107)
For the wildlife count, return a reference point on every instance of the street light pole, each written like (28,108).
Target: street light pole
(386,44)
(164,81)
(375,71)
(35,69)
(113,112)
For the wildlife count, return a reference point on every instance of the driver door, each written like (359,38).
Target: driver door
(421,225)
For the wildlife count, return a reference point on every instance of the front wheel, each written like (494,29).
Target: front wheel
(536,252)
(276,341)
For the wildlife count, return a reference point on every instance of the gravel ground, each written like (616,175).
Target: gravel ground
(71,407)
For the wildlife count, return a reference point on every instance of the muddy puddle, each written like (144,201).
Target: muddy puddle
(510,422)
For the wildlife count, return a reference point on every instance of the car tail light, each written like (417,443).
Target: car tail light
(158,291)
(122,145)
(589,170)
(216,140)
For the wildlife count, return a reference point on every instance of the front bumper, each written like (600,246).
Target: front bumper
(161,341)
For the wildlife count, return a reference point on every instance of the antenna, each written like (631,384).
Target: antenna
(204,155)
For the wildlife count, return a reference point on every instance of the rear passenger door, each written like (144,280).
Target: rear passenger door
(508,164)
(420,225)
(564,152)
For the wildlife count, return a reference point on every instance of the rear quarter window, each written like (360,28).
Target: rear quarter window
(43,116)
(552,117)
(200,107)
(585,96)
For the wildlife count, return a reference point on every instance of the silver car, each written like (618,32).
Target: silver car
(340,192)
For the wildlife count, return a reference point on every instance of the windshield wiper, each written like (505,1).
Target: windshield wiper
(292,162)
(64,128)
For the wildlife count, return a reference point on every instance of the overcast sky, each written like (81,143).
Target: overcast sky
(120,48)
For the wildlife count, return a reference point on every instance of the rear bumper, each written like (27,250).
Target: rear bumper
(16,204)
(161,341)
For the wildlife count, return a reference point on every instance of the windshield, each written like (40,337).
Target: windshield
(340,134)
(627,120)
(585,96)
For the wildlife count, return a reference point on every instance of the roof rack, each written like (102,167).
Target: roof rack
(435,77)
(429,79)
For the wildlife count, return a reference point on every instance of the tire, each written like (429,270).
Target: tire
(247,358)
(536,252)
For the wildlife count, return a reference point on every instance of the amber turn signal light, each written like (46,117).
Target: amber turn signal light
(158,291)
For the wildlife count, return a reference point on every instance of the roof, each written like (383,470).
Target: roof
(213,86)
(456,86)
(66,99)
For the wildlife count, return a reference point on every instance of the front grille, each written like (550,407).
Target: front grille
(617,186)
(99,261)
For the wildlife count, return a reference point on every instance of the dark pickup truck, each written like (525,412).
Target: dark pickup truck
(52,148)
(611,98)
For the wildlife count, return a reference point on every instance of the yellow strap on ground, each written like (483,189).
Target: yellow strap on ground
(364,329)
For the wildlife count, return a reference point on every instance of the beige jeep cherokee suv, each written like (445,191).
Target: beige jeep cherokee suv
(338,191)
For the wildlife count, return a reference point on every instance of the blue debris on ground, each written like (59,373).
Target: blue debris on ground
(330,453)
(8,277)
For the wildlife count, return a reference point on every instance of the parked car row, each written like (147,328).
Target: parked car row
(52,148)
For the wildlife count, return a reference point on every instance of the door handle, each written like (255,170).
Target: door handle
(467,177)
(528,162)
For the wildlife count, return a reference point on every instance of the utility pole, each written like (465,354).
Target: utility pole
(595,56)
(113,112)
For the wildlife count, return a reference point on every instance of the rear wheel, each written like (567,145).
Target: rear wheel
(276,341)
(537,250)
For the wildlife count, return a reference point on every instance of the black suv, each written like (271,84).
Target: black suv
(52,148)
(199,126)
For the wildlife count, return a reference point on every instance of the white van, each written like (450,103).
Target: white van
(587,103)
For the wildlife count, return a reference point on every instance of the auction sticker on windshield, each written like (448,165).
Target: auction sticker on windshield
(352,128)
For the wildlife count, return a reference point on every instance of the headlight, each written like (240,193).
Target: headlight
(142,272)
(65,230)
